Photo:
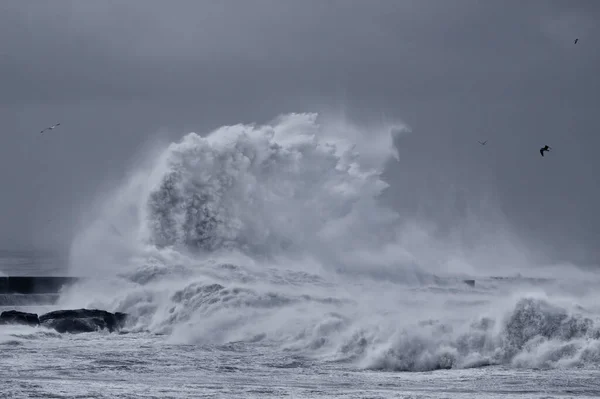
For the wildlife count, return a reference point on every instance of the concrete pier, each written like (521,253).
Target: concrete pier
(34,285)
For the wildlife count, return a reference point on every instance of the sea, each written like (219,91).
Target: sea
(256,261)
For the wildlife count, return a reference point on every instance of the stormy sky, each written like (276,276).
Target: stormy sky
(117,74)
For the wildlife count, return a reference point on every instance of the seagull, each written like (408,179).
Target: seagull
(50,128)
(576,40)
(482,143)
(544,148)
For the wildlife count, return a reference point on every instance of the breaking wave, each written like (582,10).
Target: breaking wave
(275,234)
(535,333)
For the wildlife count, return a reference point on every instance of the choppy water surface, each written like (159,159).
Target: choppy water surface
(41,363)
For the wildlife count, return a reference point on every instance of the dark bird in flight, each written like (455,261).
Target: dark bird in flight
(576,40)
(544,148)
(50,128)
(482,143)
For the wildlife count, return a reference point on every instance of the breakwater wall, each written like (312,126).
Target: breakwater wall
(34,285)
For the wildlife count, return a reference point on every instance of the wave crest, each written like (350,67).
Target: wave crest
(535,333)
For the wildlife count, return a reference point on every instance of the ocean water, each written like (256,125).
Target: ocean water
(257,261)
(32,263)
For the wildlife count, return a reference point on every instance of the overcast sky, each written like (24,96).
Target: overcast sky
(116,74)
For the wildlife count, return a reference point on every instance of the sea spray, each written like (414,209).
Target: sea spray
(275,234)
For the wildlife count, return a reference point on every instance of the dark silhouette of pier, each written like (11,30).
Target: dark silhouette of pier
(34,284)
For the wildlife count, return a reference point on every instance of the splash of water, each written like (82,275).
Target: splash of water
(274,233)
(295,187)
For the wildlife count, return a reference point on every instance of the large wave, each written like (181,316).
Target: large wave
(293,187)
(275,233)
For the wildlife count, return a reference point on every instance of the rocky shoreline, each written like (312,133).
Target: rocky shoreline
(72,321)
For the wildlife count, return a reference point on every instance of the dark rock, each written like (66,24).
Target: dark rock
(16,317)
(470,282)
(74,326)
(83,320)
(72,321)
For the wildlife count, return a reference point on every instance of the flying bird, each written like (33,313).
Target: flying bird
(50,128)
(482,143)
(544,148)
(576,40)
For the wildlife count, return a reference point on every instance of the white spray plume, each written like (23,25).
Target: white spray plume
(274,232)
